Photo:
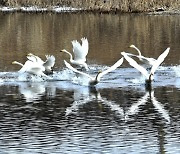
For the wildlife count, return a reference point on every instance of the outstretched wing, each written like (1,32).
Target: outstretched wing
(80,51)
(35,58)
(75,70)
(50,61)
(85,46)
(134,64)
(159,60)
(112,68)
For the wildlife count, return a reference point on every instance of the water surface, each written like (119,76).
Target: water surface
(63,115)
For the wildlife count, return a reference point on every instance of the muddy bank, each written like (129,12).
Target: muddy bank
(96,5)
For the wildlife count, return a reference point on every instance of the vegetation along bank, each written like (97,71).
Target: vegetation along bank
(92,5)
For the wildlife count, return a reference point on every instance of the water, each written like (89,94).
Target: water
(62,114)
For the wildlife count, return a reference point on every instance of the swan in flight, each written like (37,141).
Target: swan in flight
(31,68)
(80,53)
(148,75)
(146,60)
(95,80)
(48,64)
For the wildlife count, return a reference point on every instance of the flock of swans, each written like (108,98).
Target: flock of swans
(36,66)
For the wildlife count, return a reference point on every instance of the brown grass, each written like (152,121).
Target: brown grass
(101,5)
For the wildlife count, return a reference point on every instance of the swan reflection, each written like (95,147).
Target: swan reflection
(159,107)
(134,109)
(35,90)
(85,95)
(82,96)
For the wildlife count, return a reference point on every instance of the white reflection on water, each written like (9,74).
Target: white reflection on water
(71,118)
(134,109)
(83,96)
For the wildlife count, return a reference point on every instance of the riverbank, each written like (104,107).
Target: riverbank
(103,6)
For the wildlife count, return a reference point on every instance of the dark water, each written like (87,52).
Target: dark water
(63,115)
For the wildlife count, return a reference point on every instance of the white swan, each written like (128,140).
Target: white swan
(94,80)
(31,68)
(148,75)
(80,53)
(146,60)
(48,64)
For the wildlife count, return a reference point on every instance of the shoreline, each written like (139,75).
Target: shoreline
(65,9)
(98,6)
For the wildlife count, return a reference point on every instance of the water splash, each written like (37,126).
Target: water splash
(121,77)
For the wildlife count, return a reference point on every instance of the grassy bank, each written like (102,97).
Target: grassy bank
(100,5)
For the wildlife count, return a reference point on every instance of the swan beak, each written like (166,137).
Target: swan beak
(63,50)
(100,71)
(131,46)
(30,54)
(14,62)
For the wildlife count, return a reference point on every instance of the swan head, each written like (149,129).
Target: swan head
(30,54)
(132,46)
(63,50)
(14,62)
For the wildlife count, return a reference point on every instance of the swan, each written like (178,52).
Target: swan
(48,64)
(95,80)
(80,53)
(146,60)
(31,68)
(148,75)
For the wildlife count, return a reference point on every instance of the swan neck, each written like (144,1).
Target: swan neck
(97,78)
(95,81)
(139,52)
(71,58)
(18,63)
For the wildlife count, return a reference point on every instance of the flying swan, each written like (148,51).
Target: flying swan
(95,80)
(48,64)
(149,61)
(80,53)
(31,68)
(149,76)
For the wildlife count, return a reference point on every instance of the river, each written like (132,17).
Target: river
(63,114)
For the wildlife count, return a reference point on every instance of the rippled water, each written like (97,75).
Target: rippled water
(62,114)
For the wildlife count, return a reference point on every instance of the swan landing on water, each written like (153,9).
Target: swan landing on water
(94,80)
(80,53)
(149,76)
(48,64)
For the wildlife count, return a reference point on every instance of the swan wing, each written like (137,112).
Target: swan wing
(26,66)
(112,68)
(36,70)
(75,70)
(85,46)
(79,53)
(32,67)
(134,64)
(159,60)
(31,58)
(50,61)
(35,58)
(130,54)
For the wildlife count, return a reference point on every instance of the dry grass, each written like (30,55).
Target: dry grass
(101,5)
